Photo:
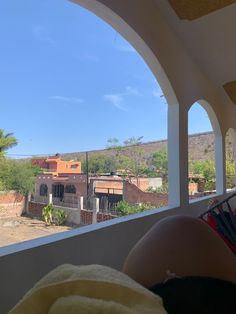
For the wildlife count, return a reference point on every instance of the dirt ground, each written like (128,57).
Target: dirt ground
(19,229)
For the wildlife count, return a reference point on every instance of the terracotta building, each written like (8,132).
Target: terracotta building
(62,179)
(56,166)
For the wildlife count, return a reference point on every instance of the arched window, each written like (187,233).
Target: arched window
(230,141)
(43,191)
(70,188)
(201,153)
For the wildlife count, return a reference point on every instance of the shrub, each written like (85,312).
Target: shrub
(162,189)
(59,216)
(124,208)
(47,214)
(51,215)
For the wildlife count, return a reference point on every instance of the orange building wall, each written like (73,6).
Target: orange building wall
(58,166)
(67,166)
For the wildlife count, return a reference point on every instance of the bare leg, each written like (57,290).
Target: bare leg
(182,245)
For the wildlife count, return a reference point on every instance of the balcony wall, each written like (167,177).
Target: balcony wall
(106,243)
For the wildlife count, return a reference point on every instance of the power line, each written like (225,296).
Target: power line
(29,155)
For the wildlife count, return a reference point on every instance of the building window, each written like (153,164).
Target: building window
(43,190)
(58,191)
(74,166)
(70,188)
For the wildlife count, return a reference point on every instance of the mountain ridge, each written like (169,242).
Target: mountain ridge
(201,147)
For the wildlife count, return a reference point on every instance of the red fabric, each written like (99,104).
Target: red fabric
(212,223)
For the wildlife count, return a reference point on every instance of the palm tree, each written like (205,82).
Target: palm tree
(6,141)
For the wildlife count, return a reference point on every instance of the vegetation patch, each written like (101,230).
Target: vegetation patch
(54,216)
(123,208)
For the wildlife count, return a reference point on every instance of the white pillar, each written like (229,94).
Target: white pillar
(81,202)
(50,198)
(27,203)
(77,216)
(95,209)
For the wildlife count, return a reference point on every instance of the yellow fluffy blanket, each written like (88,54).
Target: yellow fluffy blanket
(88,290)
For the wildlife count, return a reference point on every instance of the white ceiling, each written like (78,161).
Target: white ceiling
(210,40)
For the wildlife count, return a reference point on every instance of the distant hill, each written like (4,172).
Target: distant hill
(201,147)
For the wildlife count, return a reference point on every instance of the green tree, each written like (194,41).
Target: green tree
(17,176)
(98,164)
(6,141)
(130,155)
(112,142)
(206,169)
(159,161)
(230,163)
(230,174)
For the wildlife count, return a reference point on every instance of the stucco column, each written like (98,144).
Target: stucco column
(95,209)
(177,152)
(178,155)
(220,164)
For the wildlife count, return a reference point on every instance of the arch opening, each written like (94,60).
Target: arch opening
(109,16)
(63,111)
(204,151)
(230,159)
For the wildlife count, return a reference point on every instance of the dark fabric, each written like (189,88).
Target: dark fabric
(196,295)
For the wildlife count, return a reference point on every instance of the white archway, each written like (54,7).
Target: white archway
(149,57)
(218,145)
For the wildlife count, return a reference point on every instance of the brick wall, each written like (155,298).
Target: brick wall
(144,183)
(87,217)
(10,197)
(103,217)
(11,204)
(133,195)
(35,209)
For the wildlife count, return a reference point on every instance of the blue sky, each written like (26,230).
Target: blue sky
(69,81)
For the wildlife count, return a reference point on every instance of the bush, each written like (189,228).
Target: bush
(47,214)
(59,216)
(124,208)
(51,215)
(162,189)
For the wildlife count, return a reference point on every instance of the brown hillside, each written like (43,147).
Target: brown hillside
(200,148)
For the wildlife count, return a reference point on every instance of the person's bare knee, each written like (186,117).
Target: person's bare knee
(179,244)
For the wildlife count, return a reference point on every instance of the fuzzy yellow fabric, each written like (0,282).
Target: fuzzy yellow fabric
(88,289)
